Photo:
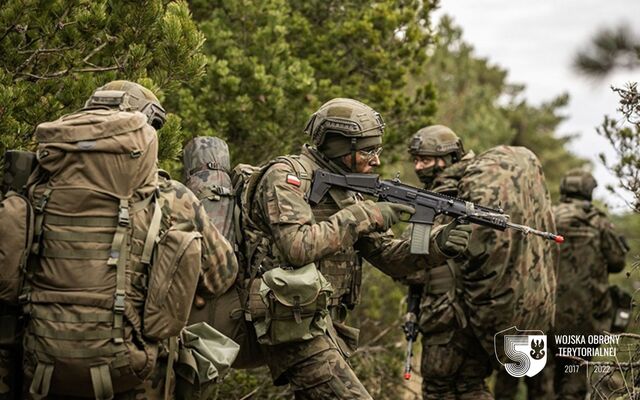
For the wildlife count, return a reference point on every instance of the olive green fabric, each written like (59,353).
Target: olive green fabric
(16,231)
(295,305)
(18,166)
(344,117)
(436,141)
(205,356)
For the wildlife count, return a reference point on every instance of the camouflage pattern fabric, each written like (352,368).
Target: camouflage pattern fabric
(539,387)
(591,251)
(334,234)
(505,278)
(455,370)
(220,267)
(319,371)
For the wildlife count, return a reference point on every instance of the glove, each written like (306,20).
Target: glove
(391,213)
(454,238)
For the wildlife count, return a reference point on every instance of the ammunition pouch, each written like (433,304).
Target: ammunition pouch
(289,305)
(441,310)
(204,355)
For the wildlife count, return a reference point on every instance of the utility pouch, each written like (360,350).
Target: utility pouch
(292,305)
(16,233)
(204,355)
(172,283)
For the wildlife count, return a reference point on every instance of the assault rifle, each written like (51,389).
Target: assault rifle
(410,326)
(426,203)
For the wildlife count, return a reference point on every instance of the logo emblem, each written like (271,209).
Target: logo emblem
(523,352)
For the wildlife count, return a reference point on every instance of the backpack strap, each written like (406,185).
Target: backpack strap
(118,259)
(41,382)
(101,381)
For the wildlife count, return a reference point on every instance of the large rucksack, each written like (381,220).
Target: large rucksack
(254,308)
(109,274)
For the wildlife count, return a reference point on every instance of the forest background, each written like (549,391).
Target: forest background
(251,72)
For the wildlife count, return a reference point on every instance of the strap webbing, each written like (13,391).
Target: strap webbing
(71,335)
(41,382)
(101,380)
(73,352)
(119,259)
(169,377)
(76,254)
(152,234)
(72,318)
(78,237)
(105,222)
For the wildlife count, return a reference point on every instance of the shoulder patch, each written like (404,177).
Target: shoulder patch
(293,180)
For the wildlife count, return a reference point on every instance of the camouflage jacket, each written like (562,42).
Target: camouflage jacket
(505,278)
(592,250)
(219,264)
(326,233)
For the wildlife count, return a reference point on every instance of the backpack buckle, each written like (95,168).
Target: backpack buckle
(118,304)
(123,215)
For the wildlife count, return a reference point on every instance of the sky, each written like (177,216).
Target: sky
(536,41)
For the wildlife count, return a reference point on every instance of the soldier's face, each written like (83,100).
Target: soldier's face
(366,161)
(423,162)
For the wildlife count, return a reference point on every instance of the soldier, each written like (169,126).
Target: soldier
(346,136)
(219,266)
(504,279)
(592,250)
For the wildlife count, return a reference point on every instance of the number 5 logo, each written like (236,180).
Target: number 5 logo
(526,349)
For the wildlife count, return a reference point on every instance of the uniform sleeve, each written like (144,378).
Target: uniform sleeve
(393,256)
(299,239)
(219,263)
(614,247)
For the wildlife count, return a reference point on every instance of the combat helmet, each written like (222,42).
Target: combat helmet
(578,183)
(129,96)
(342,126)
(436,141)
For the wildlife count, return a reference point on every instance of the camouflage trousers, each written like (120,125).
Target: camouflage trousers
(315,369)
(539,387)
(455,370)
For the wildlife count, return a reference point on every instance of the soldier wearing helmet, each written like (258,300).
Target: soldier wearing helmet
(467,300)
(591,251)
(177,203)
(334,236)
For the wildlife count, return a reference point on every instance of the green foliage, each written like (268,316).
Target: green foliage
(272,63)
(624,136)
(55,53)
(610,49)
(477,101)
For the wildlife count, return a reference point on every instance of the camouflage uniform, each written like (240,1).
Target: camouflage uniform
(504,278)
(335,234)
(591,251)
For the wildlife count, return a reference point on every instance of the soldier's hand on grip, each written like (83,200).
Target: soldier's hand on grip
(454,238)
(391,213)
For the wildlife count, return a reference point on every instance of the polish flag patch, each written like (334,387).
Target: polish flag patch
(293,180)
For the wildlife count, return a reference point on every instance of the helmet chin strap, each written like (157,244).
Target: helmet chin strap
(353,154)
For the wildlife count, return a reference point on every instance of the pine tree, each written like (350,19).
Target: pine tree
(55,53)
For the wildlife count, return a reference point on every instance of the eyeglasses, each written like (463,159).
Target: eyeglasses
(371,154)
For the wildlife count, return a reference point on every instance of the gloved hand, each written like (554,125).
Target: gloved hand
(391,213)
(454,238)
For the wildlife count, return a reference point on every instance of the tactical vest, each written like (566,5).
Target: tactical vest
(343,269)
